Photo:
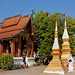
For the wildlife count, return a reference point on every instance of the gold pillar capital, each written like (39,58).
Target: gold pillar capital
(32,44)
(27,36)
(11,41)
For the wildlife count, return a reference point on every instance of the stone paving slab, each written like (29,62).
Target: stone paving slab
(37,70)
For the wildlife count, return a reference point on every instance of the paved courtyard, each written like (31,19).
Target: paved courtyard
(38,70)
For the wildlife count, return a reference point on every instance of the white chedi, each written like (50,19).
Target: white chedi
(55,45)
(65,35)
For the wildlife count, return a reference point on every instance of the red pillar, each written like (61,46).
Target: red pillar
(12,48)
(27,46)
(32,47)
(19,46)
(5,49)
(1,48)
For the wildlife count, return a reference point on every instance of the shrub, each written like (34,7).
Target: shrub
(6,61)
(38,62)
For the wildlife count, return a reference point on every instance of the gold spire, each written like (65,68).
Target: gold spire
(65,34)
(56,45)
(65,22)
(56,26)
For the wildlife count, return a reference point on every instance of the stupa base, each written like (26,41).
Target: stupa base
(55,66)
(59,72)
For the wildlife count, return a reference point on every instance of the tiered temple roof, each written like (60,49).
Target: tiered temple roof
(14,26)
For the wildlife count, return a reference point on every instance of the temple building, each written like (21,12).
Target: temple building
(55,65)
(65,47)
(17,36)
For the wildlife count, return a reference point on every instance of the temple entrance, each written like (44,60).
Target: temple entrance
(6,47)
(23,46)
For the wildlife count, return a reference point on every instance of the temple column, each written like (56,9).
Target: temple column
(19,46)
(12,48)
(27,45)
(1,48)
(32,48)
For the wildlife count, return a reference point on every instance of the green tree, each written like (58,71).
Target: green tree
(44,27)
(71,30)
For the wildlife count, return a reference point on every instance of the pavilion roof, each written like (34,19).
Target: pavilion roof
(10,21)
(11,27)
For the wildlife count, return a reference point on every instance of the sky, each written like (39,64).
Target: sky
(60,6)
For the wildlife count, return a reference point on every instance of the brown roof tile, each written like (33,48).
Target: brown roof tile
(9,34)
(12,27)
(10,21)
(7,30)
(20,24)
